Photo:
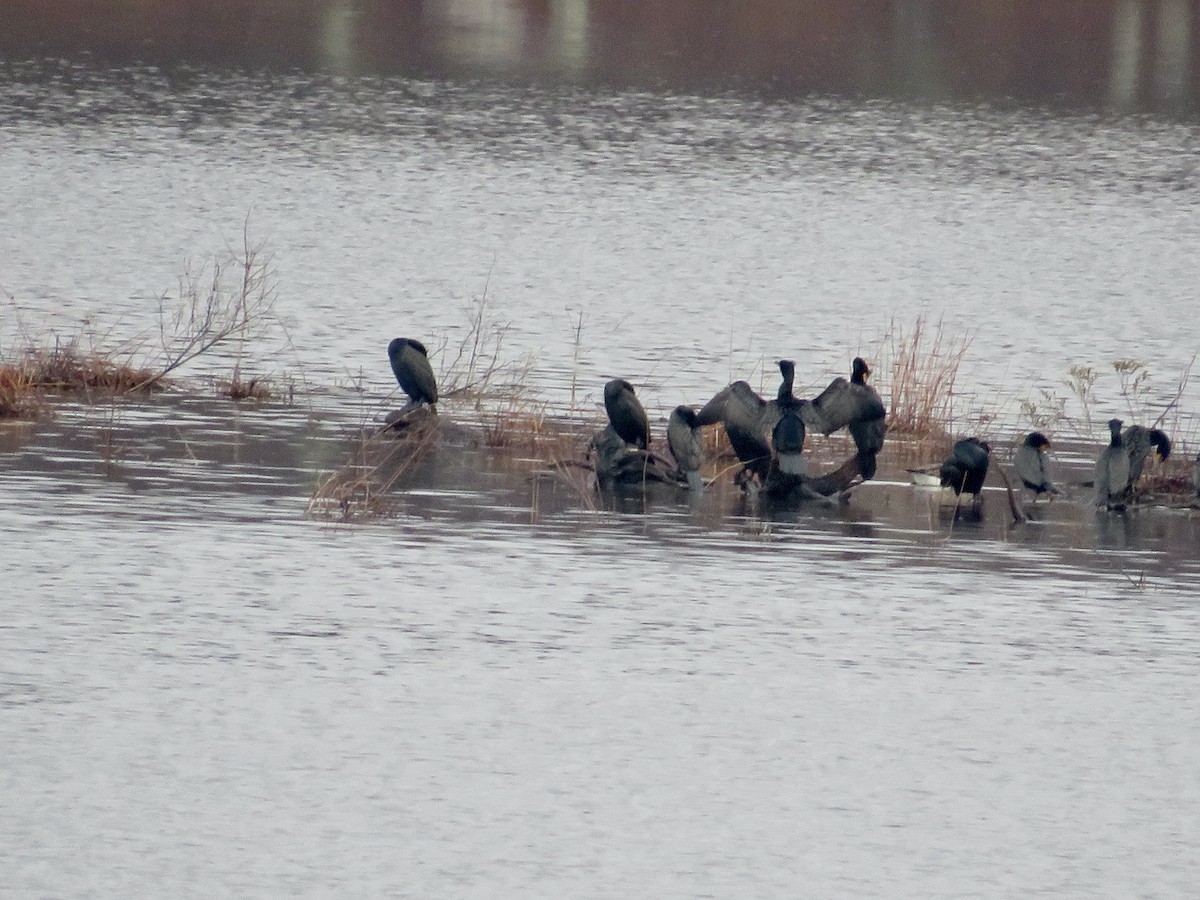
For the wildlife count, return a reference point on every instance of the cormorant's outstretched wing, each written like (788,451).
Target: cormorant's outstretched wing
(745,405)
(714,410)
(842,404)
(745,418)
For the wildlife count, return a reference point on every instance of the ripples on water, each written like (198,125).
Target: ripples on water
(205,693)
(700,237)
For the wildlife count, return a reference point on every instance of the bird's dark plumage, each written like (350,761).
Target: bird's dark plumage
(966,467)
(744,415)
(410,363)
(1140,442)
(625,413)
(1112,469)
(683,438)
(787,436)
(1030,464)
(854,405)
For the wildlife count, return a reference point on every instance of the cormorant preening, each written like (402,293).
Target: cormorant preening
(853,404)
(1139,442)
(1030,465)
(410,363)
(683,437)
(626,414)
(966,467)
(788,434)
(1112,470)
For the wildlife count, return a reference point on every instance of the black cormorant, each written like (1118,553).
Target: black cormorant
(410,363)
(1140,442)
(966,467)
(683,438)
(788,434)
(626,414)
(1112,470)
(855,405)
(1030,465)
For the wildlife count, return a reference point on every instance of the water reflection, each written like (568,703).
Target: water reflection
(1129,54)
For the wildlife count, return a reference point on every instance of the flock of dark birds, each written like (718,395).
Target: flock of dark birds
(768,438)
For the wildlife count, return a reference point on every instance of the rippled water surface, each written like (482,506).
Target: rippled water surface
(505,687)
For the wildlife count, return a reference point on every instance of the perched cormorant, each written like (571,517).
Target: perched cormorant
(1030,465)
(966,467)
(1112,470)
(788,434)
(626,414)
(1140,442)
(683,437)
(410,363)
(1196,475)
(855,405)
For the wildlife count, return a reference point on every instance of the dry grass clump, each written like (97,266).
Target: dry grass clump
(228,302)
(1171,477)
(923,365)
(237,389)
(519,425)
(67,368)
(19,396)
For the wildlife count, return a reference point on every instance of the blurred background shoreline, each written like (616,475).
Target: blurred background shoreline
(1114,55)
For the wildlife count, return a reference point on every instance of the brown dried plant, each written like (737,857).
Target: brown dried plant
(210,311)
(921,364)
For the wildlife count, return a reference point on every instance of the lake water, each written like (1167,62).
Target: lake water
(506,687)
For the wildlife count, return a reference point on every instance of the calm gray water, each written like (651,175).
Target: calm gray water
(505,689)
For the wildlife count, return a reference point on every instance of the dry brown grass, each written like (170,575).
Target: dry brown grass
(922,365)
(229,301)
(19,397)
(67,368)
(239,389)
(1169,478)
(521,426)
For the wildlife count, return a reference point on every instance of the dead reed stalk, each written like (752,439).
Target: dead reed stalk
(212,310)
(922,364)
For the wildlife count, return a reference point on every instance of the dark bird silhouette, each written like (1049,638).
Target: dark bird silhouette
(788,434)
(854,405)
(1112,470)
(625,413)
(1140,442)
(410,363)
(618,464)
(683,438)
(966,468)
(745,419)
(1030,465)
(1196,475)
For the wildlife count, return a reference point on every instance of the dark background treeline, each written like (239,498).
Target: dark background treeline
(1127,54)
